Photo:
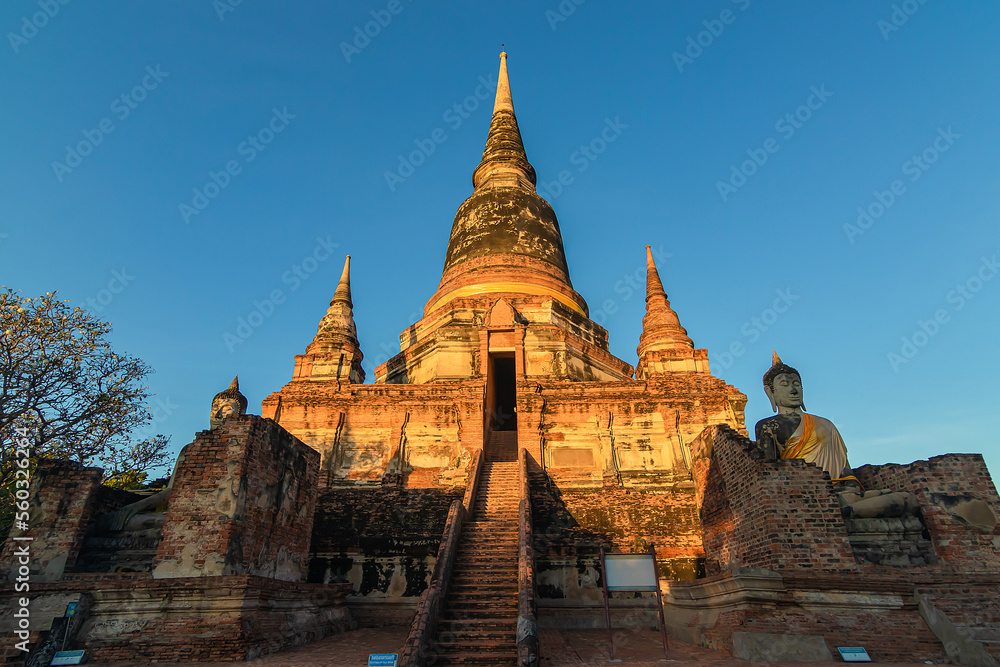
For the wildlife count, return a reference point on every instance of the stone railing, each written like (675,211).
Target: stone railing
(419,641)
(527,624)
(472,488)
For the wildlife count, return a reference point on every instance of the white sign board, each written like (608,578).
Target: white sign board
(630,572)
(854,654)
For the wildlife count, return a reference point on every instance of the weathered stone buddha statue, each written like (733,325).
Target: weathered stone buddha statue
(227,403)
(796,434)
(150,511)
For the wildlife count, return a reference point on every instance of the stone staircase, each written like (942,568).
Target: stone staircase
(479,624)
(502,446)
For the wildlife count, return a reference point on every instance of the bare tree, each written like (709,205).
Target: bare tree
(61,381)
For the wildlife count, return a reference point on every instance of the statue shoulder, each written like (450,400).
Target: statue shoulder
(823,423)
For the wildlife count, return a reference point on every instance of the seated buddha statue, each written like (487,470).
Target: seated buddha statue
(795,434)
(150,511)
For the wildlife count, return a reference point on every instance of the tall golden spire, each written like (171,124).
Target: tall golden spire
(504,162)
(505,238)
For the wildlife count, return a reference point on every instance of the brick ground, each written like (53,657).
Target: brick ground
(637,648)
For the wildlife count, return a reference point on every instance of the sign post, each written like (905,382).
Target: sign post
(632,572)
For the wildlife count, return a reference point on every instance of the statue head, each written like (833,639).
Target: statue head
(783,385)
(227,403)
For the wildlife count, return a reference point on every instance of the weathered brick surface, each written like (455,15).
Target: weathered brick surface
(242,503)
(780,515)
(200,618)
(383,540)
(960,546)
(62,498)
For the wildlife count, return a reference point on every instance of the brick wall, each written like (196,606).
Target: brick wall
(779,515)
(62,501)
(231,618)
(383,540)
(242,503)
(571,524)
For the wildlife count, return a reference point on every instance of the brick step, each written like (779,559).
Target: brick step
(483,558)
(505,624)
(492,590)
(504,636)
(493,648)
(477,571)
(484,563)
(472,566)
(471,573)
(485,615)
(497,607)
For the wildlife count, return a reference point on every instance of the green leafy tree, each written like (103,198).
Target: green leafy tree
(61,381)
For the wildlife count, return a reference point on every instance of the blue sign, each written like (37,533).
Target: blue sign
(382,660)
(854,654)
(67,658)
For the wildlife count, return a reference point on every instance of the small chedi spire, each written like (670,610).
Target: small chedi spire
(335,351)
(343,292)
(664,344)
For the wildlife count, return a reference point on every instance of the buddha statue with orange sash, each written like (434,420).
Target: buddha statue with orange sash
(796,434)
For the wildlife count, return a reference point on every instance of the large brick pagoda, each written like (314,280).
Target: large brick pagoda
(468,490)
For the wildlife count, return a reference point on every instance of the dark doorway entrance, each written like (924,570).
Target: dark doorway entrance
(502,412)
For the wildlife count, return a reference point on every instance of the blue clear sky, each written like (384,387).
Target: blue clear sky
(883,90)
